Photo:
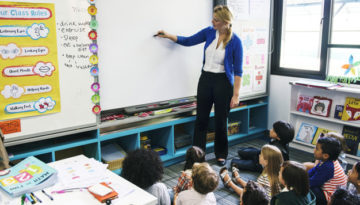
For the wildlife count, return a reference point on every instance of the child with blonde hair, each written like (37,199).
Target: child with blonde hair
(193,154)
(205,181)
(271,159)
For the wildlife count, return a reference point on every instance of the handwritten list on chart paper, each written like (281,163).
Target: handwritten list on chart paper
(73,39)
(29,84)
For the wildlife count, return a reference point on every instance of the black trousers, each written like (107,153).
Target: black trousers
(249,159)
(213,88)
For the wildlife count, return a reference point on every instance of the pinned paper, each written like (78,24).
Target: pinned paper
(96,109)
(92,35)
(95,98)
(94,71)
(92,10)
(95,87)
(93,48)
(94,24)
(93,59)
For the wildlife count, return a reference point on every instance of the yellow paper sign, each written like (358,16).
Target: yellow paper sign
(29,84)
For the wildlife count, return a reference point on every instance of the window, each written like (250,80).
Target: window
(317,38)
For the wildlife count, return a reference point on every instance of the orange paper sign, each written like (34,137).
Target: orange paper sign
(10,126)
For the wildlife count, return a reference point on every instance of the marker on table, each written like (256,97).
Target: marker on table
(159,34)
(46,194)
(37,198)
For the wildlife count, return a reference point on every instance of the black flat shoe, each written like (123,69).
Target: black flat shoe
(221,162)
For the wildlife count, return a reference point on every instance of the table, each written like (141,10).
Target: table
(129,194)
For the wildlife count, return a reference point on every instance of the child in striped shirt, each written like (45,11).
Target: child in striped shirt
(328,174)
(271,159)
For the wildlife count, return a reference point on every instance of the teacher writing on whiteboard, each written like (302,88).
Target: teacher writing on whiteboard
(220,80)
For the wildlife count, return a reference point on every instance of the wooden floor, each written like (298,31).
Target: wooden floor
(223,195)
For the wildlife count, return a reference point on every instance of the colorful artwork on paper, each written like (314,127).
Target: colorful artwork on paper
(29,84)
(351,66)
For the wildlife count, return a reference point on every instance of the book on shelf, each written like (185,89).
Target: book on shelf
(351,110)
(321,106)
(352,138)
(306,132)
(320,132)
(304,103)
(338,111)
(29,175)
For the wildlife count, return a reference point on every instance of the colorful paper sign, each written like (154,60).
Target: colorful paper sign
(10,126)
(29,80)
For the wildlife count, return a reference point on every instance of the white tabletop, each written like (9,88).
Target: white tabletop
(129,194)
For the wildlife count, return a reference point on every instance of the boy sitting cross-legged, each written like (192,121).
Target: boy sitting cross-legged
(328,174)
(280,135)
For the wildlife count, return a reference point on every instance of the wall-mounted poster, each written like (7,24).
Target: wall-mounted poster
(29,80)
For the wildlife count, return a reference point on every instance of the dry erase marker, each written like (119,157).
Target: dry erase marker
(46,194)
(30,199)
(158,34)
(37,198)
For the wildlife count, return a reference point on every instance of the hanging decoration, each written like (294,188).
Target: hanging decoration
(93,48)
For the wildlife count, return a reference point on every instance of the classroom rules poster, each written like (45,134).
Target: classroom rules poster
(29,79)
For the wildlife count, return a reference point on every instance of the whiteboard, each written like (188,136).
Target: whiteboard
(136,68)
(74,75)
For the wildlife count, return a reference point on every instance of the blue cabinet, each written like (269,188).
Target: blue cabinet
(251,120)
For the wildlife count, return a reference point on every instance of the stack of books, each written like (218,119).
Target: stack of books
(27,176)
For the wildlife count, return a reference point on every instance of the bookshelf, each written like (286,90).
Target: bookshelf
(338,96)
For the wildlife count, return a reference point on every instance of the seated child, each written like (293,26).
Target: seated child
(193,154)
(144,169)
(294,177)
(281,135)
(328,174)
(354,178)
(343,196)
(254,194)
(342,155)
(271,159)
(205,181)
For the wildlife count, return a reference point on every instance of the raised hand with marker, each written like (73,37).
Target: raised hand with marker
(163,34)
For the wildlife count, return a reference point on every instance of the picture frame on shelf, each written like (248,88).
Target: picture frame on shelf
(304,103)
(321,106)
(306,132)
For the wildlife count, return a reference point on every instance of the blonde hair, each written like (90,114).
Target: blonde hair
(341,139)
(274,160)
(224,14)
(204,178)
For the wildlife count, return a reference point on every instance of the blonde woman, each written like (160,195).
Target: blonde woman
(271,159)
(220,80)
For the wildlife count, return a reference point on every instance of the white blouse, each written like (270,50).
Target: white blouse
(214,57)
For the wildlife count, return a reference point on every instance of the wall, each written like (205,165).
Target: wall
(279,98)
